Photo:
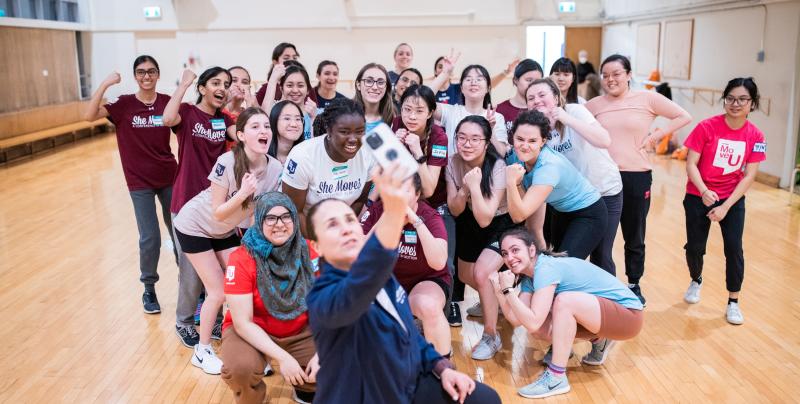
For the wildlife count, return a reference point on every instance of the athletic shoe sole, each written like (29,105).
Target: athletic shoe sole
(455,324)
(606,351)
(562,390)
(197,363)
(156,311)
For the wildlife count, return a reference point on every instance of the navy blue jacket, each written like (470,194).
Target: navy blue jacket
(365,356)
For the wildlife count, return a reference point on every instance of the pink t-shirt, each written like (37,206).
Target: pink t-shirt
(201,139)
(412,267)
(143,141)
(724,152)
(509,112)
(628,120)
(436,151)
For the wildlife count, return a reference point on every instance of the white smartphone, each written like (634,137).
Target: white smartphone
(387,149)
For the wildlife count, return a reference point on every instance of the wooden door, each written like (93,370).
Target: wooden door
(587,38)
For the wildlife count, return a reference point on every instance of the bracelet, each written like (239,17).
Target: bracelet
(506,290)
(440,367)
(704,192)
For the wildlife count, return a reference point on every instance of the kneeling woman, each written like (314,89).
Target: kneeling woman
(421,267)
(561,299)
(205,226)
(363,327)
(266,284)
(580,216)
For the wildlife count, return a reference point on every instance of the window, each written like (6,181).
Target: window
(545,44)
(52,10)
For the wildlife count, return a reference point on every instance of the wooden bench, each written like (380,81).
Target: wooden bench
(27,132)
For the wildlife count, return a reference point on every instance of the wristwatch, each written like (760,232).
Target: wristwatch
(417,222)
(422,159)
(440,366)
(506,290)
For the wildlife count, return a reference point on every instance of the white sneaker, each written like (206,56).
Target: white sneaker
(734,315)
(487,347)
(476,310)
(692,294)
(206,359)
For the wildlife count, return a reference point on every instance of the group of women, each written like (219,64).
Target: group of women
(325,260)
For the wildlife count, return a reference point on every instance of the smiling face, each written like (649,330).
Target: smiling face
(295,88)
(329,77)
(528,142)
(403,56)
(516,255)
(215,91)
(344,136)
(524,81)
(415,114)
(475,85)
(338,233)
(541,98)
(563,80)
(290,122)
(256,134)
(282,230)
(471,141)
(739,108)
(615,78)
(240,78)
(372,94)
(406,80)
(146,75)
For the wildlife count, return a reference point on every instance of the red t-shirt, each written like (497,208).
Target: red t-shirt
(509,112)
(262,92)
(412,267)
(233,116)
(201,139)
(436,151)
(143,140)
(724,152)
(240,279)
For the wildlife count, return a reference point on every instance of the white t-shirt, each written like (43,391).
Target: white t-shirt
(453,114)
(196,217)
(593,162)
(309,167)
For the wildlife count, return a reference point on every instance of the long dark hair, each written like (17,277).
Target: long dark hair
(522,234)
(274,114)
(208,75)
(491,156)
(487,99)
(278,51)
(385,105)
(322,65)
(565,65)
(241,164)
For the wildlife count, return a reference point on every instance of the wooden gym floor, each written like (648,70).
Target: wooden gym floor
(74,329)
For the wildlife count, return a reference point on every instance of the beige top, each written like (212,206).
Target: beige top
(456,169)
(196,217)
(628,120)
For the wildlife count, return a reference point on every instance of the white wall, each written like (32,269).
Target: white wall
(725,46)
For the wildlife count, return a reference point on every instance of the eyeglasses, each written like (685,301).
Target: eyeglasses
(411,112)
(409,81)
(369,82)
(271,220)
(616,75)
(149,72)
(291,119)
(731,100)
(463,140)
(475,80)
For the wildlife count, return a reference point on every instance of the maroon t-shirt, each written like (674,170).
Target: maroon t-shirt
(436,150)
(509,112)
(262,92)
(143,141)
(412,267)
(201,139)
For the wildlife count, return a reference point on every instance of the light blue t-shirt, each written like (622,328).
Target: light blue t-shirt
(371,125)
(577,275)
(571,190)
(307,124)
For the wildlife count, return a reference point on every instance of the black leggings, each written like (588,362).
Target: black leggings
(579,232)
(732,226)
(430,391)
(635,206)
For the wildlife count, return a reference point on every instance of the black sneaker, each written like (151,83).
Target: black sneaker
(216,332)
(453,314)
(303,397)
(188,335)
(150,302)
(634,287)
